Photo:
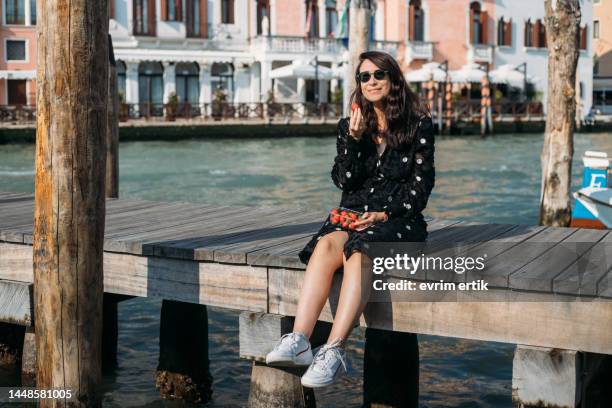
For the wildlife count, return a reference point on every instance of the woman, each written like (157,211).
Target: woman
(385,168)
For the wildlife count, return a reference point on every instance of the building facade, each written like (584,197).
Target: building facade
(192,48)
(602,50)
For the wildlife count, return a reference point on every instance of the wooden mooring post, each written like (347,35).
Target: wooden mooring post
(72,93)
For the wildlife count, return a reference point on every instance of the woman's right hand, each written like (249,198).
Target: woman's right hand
(356,124)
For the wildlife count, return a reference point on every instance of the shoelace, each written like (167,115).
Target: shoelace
(293,340)
(325,354)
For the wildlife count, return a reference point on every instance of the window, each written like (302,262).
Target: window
(528,34)
(171,10)
(478,24)
(121,80)
(535,34)
(263,10)
(504,32)
(312,19)
(227,11)
(598,97)
(151,88)
(188,83)
(222,78)
(595,65)
(416,21)
(14,12)
(144,17)
(16,90)
(33,12)
(331,18)
(16,50)
(595,29)
(196,18)
(583,37)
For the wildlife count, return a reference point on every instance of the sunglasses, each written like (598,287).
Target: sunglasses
(365,76)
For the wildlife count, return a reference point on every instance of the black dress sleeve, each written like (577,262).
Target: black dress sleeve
(414,193)
(348,172)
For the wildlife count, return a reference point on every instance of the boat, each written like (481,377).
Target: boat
(593,206)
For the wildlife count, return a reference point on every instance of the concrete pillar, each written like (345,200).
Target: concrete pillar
(131,82)
(242,77)
(266,81)
(255,83)
(334,82)
(379,34)
(322,20)
(272,17)
(169,80)
(205,92)
(301,90)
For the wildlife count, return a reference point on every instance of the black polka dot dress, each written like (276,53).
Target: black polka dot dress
(399,182)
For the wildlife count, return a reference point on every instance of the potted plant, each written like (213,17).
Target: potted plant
(218,102)
(172,107)
(124,111)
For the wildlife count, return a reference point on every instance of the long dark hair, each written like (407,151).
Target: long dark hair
(401,106)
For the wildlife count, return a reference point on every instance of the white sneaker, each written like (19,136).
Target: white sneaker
(293,349)
(328,365)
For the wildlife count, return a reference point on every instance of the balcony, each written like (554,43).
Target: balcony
(480,53)
(419,50)
(295,45)
(303,45)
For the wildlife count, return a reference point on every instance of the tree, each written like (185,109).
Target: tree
(562,31)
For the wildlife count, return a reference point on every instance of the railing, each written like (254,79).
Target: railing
(480,53)
(419,50)
(306,45)
(205,111)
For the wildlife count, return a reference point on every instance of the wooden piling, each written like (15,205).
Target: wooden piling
(72,92)
(390,369)
(183,369)
(112,127)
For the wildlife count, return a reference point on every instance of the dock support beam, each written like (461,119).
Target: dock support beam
(390,369)
(183,369)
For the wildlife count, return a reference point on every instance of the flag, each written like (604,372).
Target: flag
(342,27)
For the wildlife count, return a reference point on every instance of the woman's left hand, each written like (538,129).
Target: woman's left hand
(368,218)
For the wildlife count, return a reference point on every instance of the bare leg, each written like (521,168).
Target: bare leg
(354,295)
(326,258)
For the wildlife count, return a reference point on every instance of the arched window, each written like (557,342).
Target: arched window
(222,77)
(188,82)
(478,24)
(121,79)
(416,22)
(151,88)
(312,19)
(504,32)
(331,17)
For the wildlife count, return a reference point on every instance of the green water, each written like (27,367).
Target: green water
(496,179)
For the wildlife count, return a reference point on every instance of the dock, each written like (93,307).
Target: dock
(245,258)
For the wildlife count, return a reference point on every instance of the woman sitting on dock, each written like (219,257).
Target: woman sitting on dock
(385,168)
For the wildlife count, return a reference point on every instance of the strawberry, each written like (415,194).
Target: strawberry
(354,106)
(335,211)
(353,216)
(335,219)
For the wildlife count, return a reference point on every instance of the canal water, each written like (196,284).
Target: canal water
(496,179)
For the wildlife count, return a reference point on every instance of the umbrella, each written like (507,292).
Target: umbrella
(428,72)
(302,69)
(468,73)
(506,74)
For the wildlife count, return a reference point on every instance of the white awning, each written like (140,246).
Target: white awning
(17,74)
(507,74)
(428,72)
(302,69)
(468,73)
